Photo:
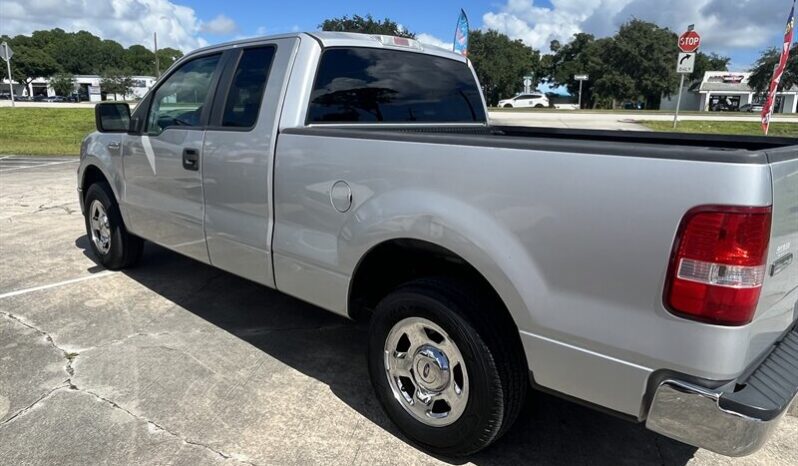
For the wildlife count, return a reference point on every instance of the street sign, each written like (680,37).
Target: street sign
(581,77)
(689,42)
(5,51)
(686,63)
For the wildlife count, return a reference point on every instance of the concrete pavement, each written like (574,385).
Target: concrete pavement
(174,362)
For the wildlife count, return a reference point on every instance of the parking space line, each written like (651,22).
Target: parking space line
(3,170)
(56,285)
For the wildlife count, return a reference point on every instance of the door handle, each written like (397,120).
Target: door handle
(191,159)
(113,146)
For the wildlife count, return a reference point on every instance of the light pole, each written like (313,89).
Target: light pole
(157,64)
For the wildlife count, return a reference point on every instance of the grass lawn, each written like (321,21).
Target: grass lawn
(44,131)
(748,128)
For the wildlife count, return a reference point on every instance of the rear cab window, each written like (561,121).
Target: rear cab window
(244,97)
(370,85)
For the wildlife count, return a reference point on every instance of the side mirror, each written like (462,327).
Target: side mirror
(112,117)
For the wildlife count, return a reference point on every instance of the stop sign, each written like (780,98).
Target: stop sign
(689,42)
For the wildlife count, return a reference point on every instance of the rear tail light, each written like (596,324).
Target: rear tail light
(718,264)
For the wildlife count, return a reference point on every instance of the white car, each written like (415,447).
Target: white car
(525,101)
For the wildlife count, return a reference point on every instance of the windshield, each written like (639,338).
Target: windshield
(367,85)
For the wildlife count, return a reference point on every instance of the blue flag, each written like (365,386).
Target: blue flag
(461,35)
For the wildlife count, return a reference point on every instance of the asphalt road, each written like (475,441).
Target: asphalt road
(177,363)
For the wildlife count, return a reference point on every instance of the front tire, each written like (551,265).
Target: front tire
(443,373)
(110,241)
(508,106)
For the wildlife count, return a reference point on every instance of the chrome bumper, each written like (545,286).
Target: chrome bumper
(693,415)
(733,422)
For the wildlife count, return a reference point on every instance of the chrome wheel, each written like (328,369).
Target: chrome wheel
(100,227)
(426,372)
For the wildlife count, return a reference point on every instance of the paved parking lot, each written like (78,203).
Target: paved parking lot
(177,363)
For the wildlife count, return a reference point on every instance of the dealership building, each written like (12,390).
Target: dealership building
(89,86)
(728,91)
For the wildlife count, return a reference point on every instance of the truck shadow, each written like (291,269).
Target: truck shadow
(331,349)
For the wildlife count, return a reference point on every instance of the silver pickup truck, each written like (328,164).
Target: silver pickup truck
(649,275)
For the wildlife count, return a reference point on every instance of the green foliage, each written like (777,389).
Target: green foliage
(762,72)
(63,84)
(501,63)
(583,55)
(637,63)
(365,25)
(30,63)
(707,62)
(84,53)
(167,56)
(117,82)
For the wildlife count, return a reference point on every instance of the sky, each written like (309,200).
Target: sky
(740,29)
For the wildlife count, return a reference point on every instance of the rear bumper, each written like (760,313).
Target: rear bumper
(736,421)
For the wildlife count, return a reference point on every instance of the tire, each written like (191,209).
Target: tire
(493,381)
(111,243)
(539,106)
(508,106)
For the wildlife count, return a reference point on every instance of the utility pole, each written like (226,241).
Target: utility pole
(580,94)
(157,65)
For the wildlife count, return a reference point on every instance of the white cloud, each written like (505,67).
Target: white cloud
(220,25)
(725,25)
(429,39)
(128,22)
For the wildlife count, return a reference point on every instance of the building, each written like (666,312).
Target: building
(728,91)
(88,86)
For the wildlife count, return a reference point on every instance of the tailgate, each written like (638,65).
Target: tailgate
(778,304)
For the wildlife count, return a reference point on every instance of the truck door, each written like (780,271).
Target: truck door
(162,165)
(238,158)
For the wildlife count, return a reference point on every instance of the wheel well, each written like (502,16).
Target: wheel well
(395,262)
(91,175)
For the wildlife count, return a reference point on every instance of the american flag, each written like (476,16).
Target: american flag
(770,101)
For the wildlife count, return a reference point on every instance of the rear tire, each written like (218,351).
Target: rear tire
(109,240)
(457,321)
(508,106)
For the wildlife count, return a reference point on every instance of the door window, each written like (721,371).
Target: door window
(180,100)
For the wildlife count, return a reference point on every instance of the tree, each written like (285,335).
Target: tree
(167,56)
(117,82)
(140,60)
(30,63)
(501,63)
(646,53)
(707,62)
(63,84)
(582,55)
(365,25)
(762,72)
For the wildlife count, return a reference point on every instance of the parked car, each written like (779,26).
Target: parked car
(633,105)
(526,101)
(757,108)
(55,98)
(723,107)
(22,98)
(39,98)
(650,275)
(5,96)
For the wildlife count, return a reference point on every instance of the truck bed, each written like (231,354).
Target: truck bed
(695,147)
